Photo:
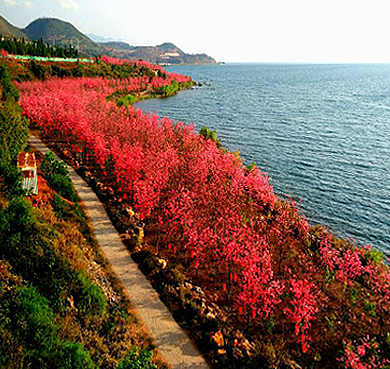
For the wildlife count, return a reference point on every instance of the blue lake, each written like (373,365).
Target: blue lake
(321,132)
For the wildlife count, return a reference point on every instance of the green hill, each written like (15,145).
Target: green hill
(61,33)
(118,45)
(8,30)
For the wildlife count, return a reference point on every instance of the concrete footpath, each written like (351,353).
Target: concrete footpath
(171,341)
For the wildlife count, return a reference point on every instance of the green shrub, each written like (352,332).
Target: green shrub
(10,353)
(137,359)
(37,69)
(69,212)
(14,131)
(370,308)
(61,208)
(18,216)
(50,166)
(89,297)
(35,259)
(374,255)
(14,135)
(64,186)
(251,166)
(60,72)
(168,90)
(126,101)
(34,321)
(28,247)
(11,180)
(78,71)
(29,322)
(57,175)
(9,89)
(209,135)
(73,355)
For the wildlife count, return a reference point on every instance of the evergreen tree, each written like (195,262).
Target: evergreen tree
(36,48)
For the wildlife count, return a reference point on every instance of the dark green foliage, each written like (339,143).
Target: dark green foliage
(61,208)
(251,166)
(32,70)
(50,165)
(126,101)
(144,71)
(29,323)
(63,185)
(14,134)
(37,70)
(69,212)
(30,254)
(58,71)
(209,135)
(30,335)
(168,90)
(89,297)
(375,256)
(13,131)
(19,215)
(36,48)
(125,71)
(74,355)
(33,320)
(57,175)
(13,127)
(10,180)
(79,71)
(10,92)
(28,247)
(137,359)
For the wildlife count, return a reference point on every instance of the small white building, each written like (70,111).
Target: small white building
(28,166)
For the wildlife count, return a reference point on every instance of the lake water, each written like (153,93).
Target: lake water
(321,132)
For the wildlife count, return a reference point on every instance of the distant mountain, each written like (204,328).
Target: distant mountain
(166,53)
(171,51)
(170,48)
(117,45)
(8,30)
(58,32)
(101,39)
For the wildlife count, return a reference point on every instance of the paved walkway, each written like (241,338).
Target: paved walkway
(170,340)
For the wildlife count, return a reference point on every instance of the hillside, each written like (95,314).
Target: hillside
(58,32)
(61,306)
(8,30)
(166,53)
(118,45)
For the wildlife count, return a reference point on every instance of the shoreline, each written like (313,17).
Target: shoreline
(284,250)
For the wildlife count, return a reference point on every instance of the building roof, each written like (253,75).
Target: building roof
(26,160)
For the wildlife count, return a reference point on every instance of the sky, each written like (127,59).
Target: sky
(313,31)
